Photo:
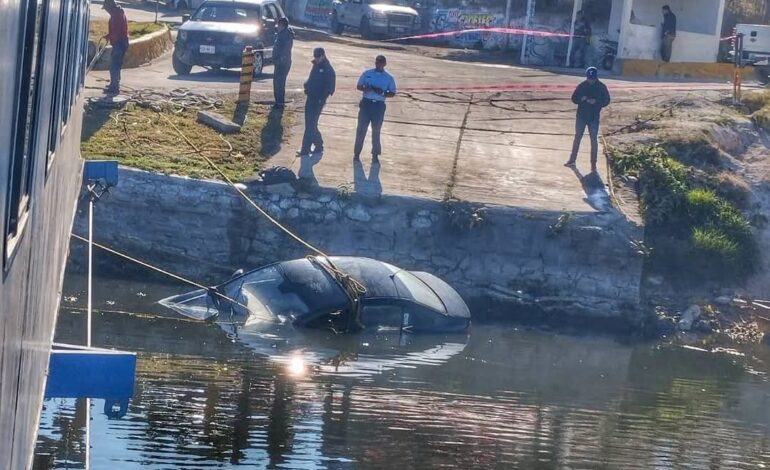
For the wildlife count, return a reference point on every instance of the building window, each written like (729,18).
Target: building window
(57,94)
(25,122)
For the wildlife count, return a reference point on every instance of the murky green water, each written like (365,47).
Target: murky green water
(498,398)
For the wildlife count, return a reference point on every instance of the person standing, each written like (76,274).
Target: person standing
(590,97)
(668,33)
(284,41)
(377,84)
(319,86)
(582,40)
(117,35)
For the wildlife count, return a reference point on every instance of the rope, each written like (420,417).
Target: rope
(210,290)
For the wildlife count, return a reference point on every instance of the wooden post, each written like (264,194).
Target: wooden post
(247,75)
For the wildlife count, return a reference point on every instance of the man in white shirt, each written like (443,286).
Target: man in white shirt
(377,84)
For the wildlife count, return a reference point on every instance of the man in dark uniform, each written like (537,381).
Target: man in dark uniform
(118,37)
(319,86)
(668,33)
(590,96)
(581,41)
(376,84)
(284,41)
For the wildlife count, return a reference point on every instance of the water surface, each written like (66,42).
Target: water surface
(501,397)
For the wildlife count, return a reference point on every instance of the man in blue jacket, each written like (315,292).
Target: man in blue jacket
(284,41)
(319,86)
(590,97)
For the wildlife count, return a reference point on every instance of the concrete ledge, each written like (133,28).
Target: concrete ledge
(141,50)
(688,70)
(580,266)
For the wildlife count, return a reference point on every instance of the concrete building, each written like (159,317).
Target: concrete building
(636,24)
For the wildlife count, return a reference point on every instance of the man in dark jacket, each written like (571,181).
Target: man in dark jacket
(319,86)
(284,41)
(590,97)
(118,37)
(581,41)
(668,33)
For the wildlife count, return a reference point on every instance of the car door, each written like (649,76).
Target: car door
(353,9)
(269,17)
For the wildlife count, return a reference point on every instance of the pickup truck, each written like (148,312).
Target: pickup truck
(390,18)
(756,48)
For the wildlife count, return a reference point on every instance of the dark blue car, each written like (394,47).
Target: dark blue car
(312,293)
(219,30)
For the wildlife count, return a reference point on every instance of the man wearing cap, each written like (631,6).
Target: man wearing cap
(377,84)
(284,41)
(590,97)
(117,36)
(319,86)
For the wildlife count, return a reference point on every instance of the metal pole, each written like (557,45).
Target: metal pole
(527,23)
(156,11)
(576,4)
(507,22)
(90,268)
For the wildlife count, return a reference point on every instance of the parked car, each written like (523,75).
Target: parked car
(218,31)
(391,18)
(310,293)
(184,4)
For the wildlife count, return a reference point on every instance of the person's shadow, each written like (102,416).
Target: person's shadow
(596,193)
(370,186)
(306,173)
(272,134)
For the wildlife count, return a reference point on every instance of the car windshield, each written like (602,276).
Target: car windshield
(267,293)
(419,290)
(401,3)
(227,13)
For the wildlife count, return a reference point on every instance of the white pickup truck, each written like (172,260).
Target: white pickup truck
(390,18)
(756,48)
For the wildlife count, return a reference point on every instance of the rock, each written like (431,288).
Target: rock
(723,300)
(358,213)
(689,316)
(655,280)
(665,326)
(218,122)
(309,204)
(704,326)
(421,222)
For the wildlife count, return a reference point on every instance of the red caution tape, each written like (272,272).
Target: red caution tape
(515,31)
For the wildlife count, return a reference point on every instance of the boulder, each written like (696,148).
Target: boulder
(689,316)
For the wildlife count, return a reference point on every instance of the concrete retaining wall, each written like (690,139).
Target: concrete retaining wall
(681,70)
(584,268)
(141,50)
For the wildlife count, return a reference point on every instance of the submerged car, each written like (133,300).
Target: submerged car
(218,31)
(339,293)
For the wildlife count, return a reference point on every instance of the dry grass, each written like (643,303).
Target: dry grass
(142,138)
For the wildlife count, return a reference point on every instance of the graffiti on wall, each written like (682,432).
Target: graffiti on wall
(453,19)
(318,12)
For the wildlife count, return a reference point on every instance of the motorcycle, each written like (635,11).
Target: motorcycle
(609,52)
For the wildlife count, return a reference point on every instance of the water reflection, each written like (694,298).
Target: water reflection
(499,399)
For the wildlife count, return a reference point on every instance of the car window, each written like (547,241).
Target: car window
(267,288)
(419,290)
(382,316)
(227,13)
(270,12)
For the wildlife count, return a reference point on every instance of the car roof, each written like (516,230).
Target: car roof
(242,2)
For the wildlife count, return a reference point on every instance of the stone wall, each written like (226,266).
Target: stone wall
(578,265)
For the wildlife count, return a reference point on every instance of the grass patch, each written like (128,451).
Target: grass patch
(98,28)
(690,226)
(141,137)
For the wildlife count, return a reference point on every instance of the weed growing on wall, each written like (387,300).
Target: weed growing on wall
(695,233)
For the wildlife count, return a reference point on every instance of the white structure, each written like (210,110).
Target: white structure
(636,24)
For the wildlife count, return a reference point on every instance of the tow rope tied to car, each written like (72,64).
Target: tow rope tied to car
(354,289)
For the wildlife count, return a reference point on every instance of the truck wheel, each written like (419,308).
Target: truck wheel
(180,67)
(337,27)
(763,74)
(259,64)
(607,62)
(366,31)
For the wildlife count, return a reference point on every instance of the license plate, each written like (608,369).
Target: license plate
(207,49)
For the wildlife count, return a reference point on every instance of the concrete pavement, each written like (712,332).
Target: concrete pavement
(483,133)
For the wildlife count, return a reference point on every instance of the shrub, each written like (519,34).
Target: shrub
(690,227)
